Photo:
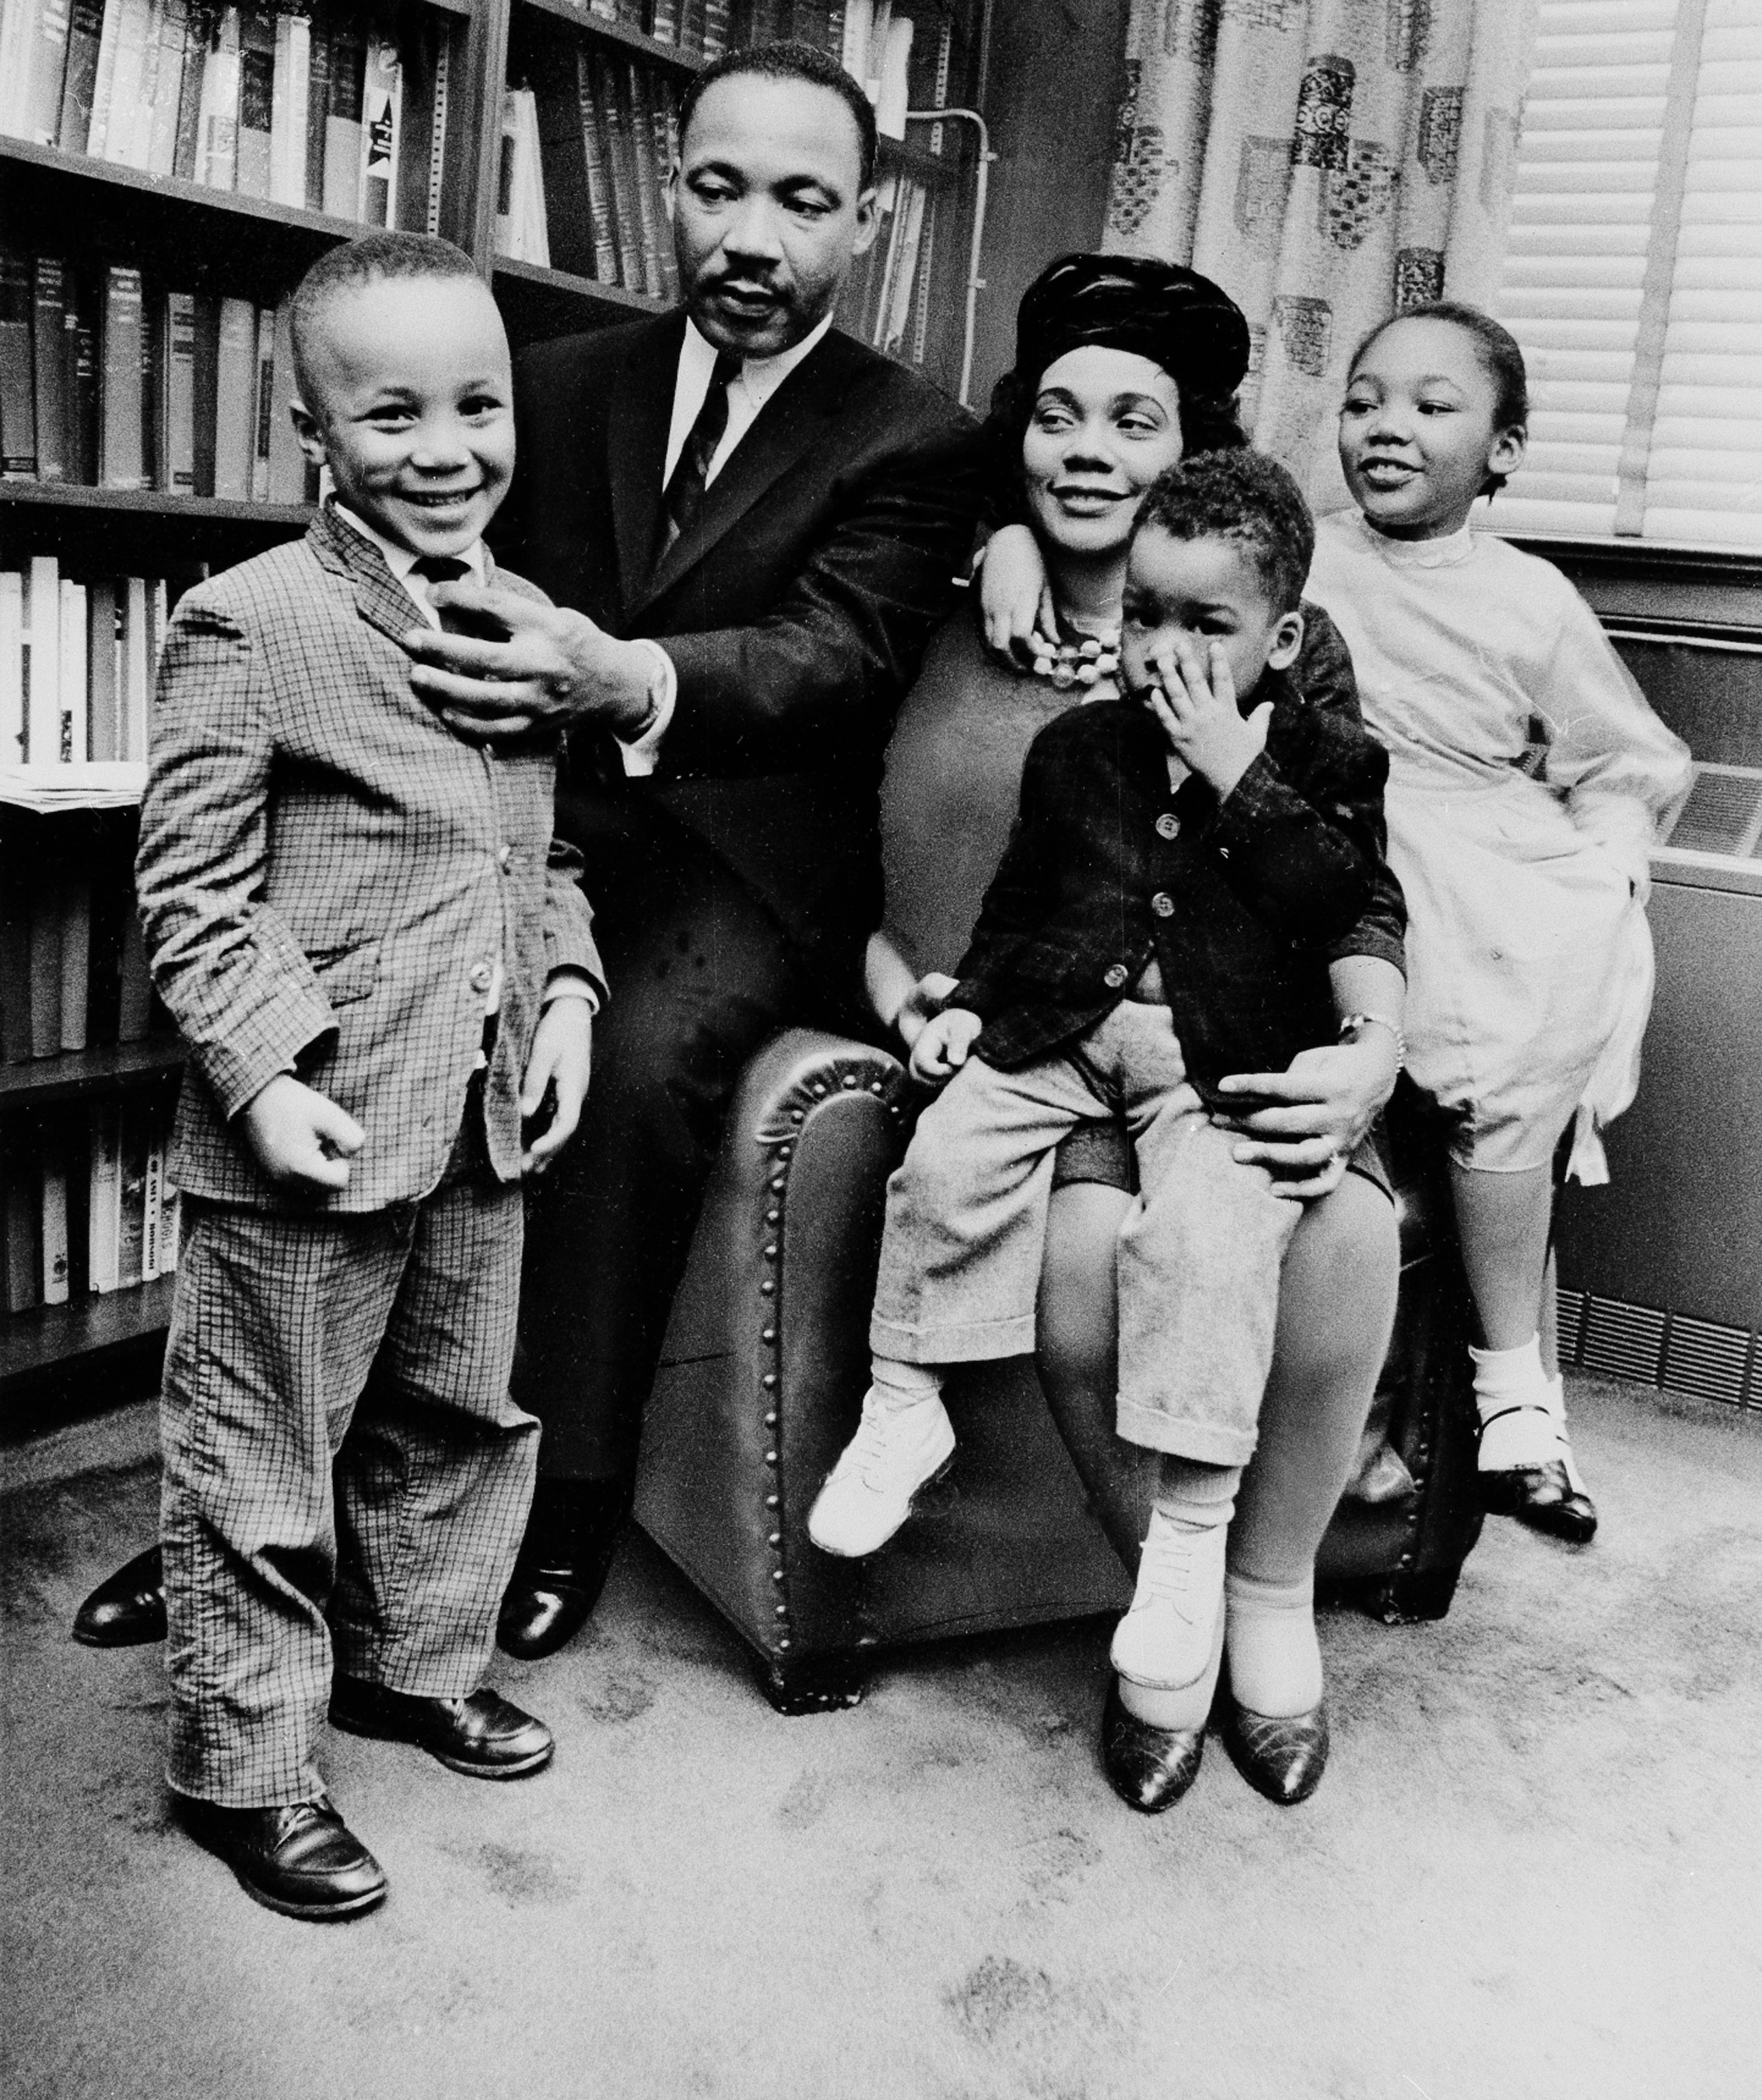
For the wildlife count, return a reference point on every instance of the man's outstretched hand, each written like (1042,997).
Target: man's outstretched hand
(551,668)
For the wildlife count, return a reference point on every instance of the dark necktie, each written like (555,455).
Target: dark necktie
(442,569)
(682,499)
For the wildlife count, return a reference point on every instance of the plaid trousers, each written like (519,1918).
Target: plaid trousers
(372,1350)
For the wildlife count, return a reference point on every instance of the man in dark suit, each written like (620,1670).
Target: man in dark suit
(767,517)
(750,525)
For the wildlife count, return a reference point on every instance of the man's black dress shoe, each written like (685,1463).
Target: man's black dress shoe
(1149,1768)
(570,1537)
(302,1860)
(128,1608)
(1544,1498)
(482,1736)
(1283,1758)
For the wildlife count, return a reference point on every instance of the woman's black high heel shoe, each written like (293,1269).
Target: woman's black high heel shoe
(1282,1757)
(1149,1768)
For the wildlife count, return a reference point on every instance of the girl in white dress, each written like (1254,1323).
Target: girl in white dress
(1528,777)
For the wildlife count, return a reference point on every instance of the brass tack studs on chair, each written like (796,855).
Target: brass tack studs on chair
(783,1645)
(781,1612)
(778,1183)
(773,1502)
(769,1381)
(771,1458)
(771,1253)
(776,1574)
(796,1114)
(784,1151)
(874,1086)
(818,1088)
(767,1286)
(767,1334)
(771,1421)
(772,1216)
(774,1540)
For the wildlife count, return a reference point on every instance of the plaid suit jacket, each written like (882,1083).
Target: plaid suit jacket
(327,876)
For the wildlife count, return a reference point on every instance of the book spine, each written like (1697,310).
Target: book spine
(598,180)
(80,352)
(12,667)
(715,39)
(614,126)
(49,318)
(43,661)
(48,77)
(76,959)
(21,1221)
(177,443)
(109,43)
(124,97)
(235,400)
(381,99)
(664,22)
(54,1156)
(342,128)
(135,145)
(131,1194)
(506,232)
(664,120)
(153,1196)
(18,393)
(287,462)
(177,53)
(186,150)
(691,28)
(16,878)
(45,964)
(103,1217)
(122,459)
(217,158)
(317,107)
(257,95)
(205,349)
(74,730)
(135,687)
(106,725)
(287,110)
(264,411)
(649,211)
(85,30)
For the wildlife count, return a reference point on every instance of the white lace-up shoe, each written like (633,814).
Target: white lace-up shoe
(867,1494)
(1167,1639)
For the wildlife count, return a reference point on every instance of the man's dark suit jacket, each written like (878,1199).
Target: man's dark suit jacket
(796,608)
(1242,903)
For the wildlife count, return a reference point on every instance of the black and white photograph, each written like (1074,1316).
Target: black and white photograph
(880,994)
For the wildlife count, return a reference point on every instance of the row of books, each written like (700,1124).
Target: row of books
(89,1207)
(77,662)
(886,299)
(306,108)
(705,28)
(72,966)
(111,380)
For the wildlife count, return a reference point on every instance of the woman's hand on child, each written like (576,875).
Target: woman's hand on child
(1309,1117)
(558,1066)
(926,998)
(1195,700)
(942,1045)
(299,1136)
(1016,598)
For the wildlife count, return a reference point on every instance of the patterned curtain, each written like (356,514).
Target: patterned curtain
(1327,163)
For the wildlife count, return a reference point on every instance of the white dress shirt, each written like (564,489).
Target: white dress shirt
(759,378)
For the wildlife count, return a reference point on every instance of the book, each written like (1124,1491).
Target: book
(53,1164)
(12,667)
(49,367)
(179,47)
(691,28)
(892,77)
(122,90)
(615,129)
(76,955)
(177,395)
(103,79)
(714,33)
(131,1194)
(86,29)
(103,694)
(152,382)
(45,956)
(45,70)
(81,363)
(121,450)
(133,656)
(257,87)
(134,985)
(235,400)
(565,137)
(288,110)
(21,1220)
(131,133)
(204,352)
(665,97)
(153,1195)
(72,731)
(185,147)
(15,880)
(650,214)
(341,192)
(317,107)
(104,1182)
(596,174)
(18,392)
(382,103)
(263,411)
(287,462)
(14,26)
(217,151)
(664,22)
(42,651)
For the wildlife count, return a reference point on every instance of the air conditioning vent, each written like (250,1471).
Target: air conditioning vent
(1569,1320)
(1723,814)
(1627,1341)
(1706,1359)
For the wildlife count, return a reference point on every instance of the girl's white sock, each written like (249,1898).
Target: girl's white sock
(1511,1391)
(1275,1661)
(898,1386)
(1556,1406)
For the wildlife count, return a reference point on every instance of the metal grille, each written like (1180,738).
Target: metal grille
(1568,1319)
(1626,1341)
(1706,1359)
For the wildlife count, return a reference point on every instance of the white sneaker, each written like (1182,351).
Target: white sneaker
(1167,1637)
(867,1494)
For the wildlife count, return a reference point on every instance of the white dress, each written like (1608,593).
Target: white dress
(1527,779)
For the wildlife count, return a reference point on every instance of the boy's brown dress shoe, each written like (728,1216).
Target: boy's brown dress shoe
(482,1736)
(301,1858)
(127,1609)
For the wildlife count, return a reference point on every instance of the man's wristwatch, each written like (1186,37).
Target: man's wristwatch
(1352,1023)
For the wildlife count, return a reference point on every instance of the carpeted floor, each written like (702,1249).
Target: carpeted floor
(1533,1869)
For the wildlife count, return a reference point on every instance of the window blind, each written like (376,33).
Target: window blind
(1633,275)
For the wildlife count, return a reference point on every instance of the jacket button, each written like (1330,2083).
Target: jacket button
(1167,825)
(1163,905)
(482,976)
(1115,977)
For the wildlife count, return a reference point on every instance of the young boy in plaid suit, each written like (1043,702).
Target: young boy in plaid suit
(1163,916)
(380,965)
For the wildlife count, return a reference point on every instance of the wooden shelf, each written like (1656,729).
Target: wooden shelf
(75,1072)
(578,17)
(538,302)
(138,531)
(49,1335)
(278,518)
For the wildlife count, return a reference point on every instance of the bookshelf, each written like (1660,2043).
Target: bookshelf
(228,222)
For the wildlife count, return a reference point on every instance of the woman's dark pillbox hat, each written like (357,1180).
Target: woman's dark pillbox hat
(1174,316)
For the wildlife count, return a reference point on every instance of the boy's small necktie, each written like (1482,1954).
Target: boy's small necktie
(683,497)
(442,569)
